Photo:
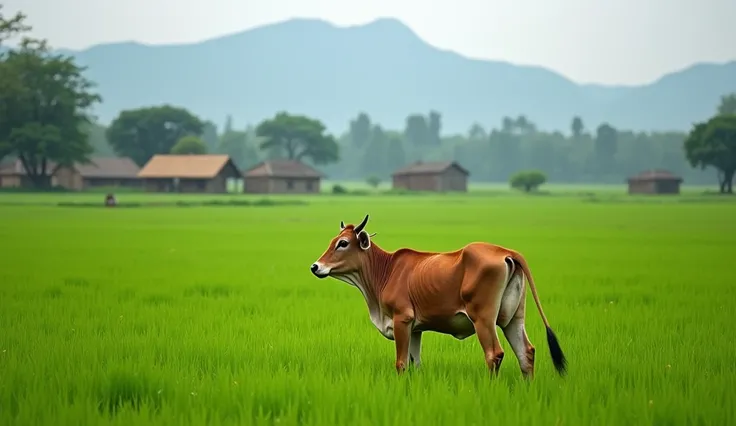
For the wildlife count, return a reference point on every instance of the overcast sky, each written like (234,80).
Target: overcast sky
(601,41)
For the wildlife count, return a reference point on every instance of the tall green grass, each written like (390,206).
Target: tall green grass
(209,315)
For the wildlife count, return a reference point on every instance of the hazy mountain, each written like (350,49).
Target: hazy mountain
(382,68)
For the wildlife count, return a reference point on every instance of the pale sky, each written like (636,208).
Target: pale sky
(589,41)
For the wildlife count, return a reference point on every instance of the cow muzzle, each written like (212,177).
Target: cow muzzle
(319,270)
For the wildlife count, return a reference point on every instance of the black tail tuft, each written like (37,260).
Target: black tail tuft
(558,358)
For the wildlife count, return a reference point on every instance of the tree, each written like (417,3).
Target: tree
(360,130)
(395,152)
(9,27)
(477,132)
(713,143)
(504,153)
(507,125)
(524,126)
(209,136)
(96,136)
(240,147)
(299,137)
(434,127)
(528,180)
(577,127)
(727,105)
(44,106)
(417,131)
(375,156)
(228,124)
(606,144)
(141,133)
(189,145)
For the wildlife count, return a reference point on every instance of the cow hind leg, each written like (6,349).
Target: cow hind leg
(511,320)
(488,338)
(415,346)
(515,333)
(483,294)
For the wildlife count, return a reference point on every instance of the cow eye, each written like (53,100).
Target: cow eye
(342,243)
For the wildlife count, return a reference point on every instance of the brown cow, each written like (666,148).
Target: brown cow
(460,293)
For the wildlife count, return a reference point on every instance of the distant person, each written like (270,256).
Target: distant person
(110,200)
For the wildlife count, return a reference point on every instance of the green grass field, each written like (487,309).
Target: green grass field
(209,315)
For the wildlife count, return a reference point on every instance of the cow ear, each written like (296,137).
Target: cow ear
(364,240)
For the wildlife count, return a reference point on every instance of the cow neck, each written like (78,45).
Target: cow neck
(376,269)
(371,277)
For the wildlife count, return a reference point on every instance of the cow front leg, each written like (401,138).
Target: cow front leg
(402,337)
(415,346)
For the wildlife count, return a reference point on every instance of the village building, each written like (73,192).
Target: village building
(110,172)
(654,182)
(207,173)
(13,175)
(438,176)
(282,177)
(99,172)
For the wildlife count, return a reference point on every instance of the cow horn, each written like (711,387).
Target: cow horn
(361,225)
(342,225)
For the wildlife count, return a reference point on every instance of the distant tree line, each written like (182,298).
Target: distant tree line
(45,118)
(601,154)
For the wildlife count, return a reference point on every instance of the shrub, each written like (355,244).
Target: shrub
(528,180)
(373,181)
(189,145)
(339,189)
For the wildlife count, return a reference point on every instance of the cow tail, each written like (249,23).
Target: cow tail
(558,357)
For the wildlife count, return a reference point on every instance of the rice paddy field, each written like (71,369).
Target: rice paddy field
(207,314)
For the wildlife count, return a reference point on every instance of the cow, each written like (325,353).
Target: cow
(462,293)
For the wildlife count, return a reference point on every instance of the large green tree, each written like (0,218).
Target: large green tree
(298,137)
(10,26)
(45,104)
(713,143)
(144,132)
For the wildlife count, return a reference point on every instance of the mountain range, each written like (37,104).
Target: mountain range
(382,68)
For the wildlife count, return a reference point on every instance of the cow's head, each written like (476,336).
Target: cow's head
(345,252)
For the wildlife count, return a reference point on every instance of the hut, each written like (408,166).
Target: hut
(432,176)
(100,172)
(13,174)
(282,177)
(654,182)
(206,173)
